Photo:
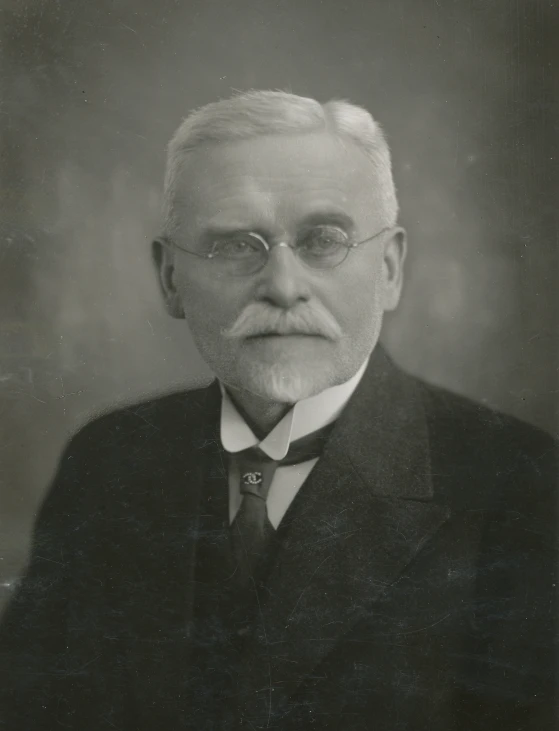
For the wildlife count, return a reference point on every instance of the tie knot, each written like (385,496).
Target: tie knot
(252,483)
(256,473)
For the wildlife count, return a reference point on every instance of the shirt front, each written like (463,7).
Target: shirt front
(305,417)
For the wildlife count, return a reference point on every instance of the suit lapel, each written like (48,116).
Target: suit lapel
(210,483)
(366,510)
(182,509)
(156,535)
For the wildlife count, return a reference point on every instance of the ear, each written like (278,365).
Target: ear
(164,261)
(394,256)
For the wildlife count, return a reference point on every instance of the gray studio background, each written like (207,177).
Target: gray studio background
(91,92)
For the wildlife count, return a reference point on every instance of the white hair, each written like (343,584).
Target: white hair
(257,113)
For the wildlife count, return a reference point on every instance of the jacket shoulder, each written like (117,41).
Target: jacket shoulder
(125,445)
(154,420)
(473,422)
(490,456)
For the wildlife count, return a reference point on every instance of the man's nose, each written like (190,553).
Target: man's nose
(283,282)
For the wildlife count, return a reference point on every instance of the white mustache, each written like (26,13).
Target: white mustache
(258,319)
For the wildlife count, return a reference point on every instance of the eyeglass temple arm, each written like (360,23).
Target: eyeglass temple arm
(170,242)
(370,238)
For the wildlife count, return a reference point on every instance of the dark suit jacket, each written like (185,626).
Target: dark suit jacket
(414,587)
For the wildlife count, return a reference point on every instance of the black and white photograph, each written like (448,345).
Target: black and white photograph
(279,365)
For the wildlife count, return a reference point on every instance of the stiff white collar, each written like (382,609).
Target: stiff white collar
(305,417)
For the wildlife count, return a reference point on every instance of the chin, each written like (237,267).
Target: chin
(283,383)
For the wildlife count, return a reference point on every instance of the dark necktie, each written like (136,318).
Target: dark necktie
(251,531)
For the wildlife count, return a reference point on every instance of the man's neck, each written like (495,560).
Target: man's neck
(260,414)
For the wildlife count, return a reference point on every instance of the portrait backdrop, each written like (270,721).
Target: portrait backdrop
(92,91)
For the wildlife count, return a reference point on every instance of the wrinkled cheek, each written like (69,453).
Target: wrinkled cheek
(199,304)
(210,301)
(206,323)
(359,317)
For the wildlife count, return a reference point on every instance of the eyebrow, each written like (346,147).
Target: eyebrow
(336,218)
(316,218)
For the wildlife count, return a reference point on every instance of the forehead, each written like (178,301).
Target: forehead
(274,181)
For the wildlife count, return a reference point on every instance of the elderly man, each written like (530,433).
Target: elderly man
(316,540)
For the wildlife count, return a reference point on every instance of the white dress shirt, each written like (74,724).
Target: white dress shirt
(305,417)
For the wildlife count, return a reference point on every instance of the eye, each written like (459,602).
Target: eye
(323,241)
(236,246)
